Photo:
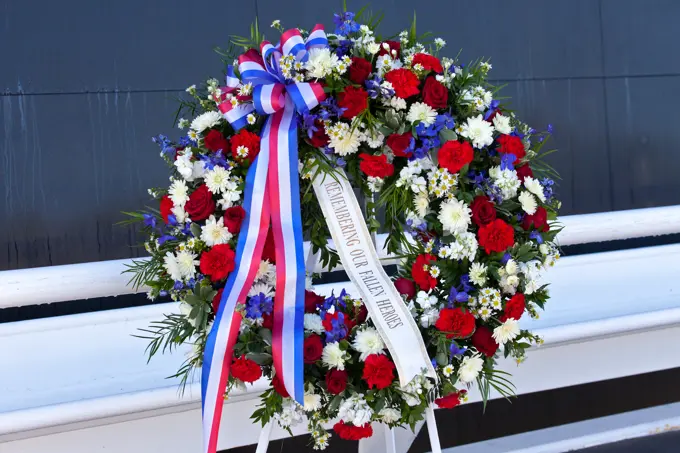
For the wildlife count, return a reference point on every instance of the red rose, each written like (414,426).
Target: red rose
(269,250)
(399,143)
(429,62)
(336,381)
(483,210)
(404,82)
(217,262)
(354,100)
(483,340)
(510,144)
(248,140)
(421,272)
(405,287)
(435,94)
(279,387)
(539,220)
(201,204)
(450,401)
(378,371)
(359,70)
(215,141)
(351,432)
(514,308)
(245,370)
(313,348)
(312,300)
(216,300)
(391,46)
(166,208)
(319,137)
(362,314)
(455,322)
(523,171)
(376,166)
(496,236)
(233,217)
(454,155)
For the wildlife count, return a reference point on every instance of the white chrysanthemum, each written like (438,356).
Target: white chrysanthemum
(180,214)
(506,180)
(355,410)
(261,288)
(470,368)
(528,202)
(206,120)
(477,130)
(266,272)
(390,415)
(333,356)
(439,42)
(320,63)
(502,124)
(172,266)
(217,179)
(374,140)
(455,216)
(421,112)
(345,142)
(187,263)
(506,331)
(396,103)
(313,323)
(312,402)
(367,342)
(422,204)
(534,187)
(511,267)
(214,232)
(178,192)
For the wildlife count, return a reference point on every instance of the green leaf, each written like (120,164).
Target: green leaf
(447,135)
(196,230)
(261,358)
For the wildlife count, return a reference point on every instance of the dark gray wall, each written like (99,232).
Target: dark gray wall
(86,84)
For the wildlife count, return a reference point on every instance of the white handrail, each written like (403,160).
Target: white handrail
(103,278)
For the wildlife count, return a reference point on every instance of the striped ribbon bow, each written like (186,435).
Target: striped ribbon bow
(272,194)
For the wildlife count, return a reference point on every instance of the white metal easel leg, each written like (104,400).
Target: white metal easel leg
(432,429)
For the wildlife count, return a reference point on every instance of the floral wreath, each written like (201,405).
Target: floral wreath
(453,178)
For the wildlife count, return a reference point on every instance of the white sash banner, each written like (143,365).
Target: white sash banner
(387,309)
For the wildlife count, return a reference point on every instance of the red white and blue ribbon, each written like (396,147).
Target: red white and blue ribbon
(272,194)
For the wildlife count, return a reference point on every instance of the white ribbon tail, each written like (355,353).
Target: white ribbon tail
(263,440)
(432,429)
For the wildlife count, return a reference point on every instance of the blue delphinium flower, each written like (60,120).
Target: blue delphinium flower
(258,305)
(150,220)
(536,236)
(345,24)
(344,47)
(507,161)
(166,237)
(164,144)
(547,184)
(493,107)
(456,350)
(329,109)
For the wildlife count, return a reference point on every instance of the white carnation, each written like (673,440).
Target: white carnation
(506,331)
(214,232)
(367,342)
(333,356)
(421,112)
(314,324)
(477,130)
(205,121)
(455,216)
(470,368)
(502,124)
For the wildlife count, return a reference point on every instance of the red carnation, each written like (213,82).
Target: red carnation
(354,100)
(391,46)
(166,208)
(454,155)
(245,370)
(514,308)
(378,371)
(404,82)
(455,322)
(429,62)
(217,299)
(217,262)
(376,166)
(483,210)
(201,204)
(233,217)
(435,94)
(405,287)
(399,143)
(421,272)
(351,432)
(496,236)
(523,171)
(336,381)
(269,250)
(313,348)
(279,387)
(312,300)
(511,144)
(268,321)
(359,70)
(450,401)
(319,137)
(215,141)
(483,341)
(539,220)
(248,140)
